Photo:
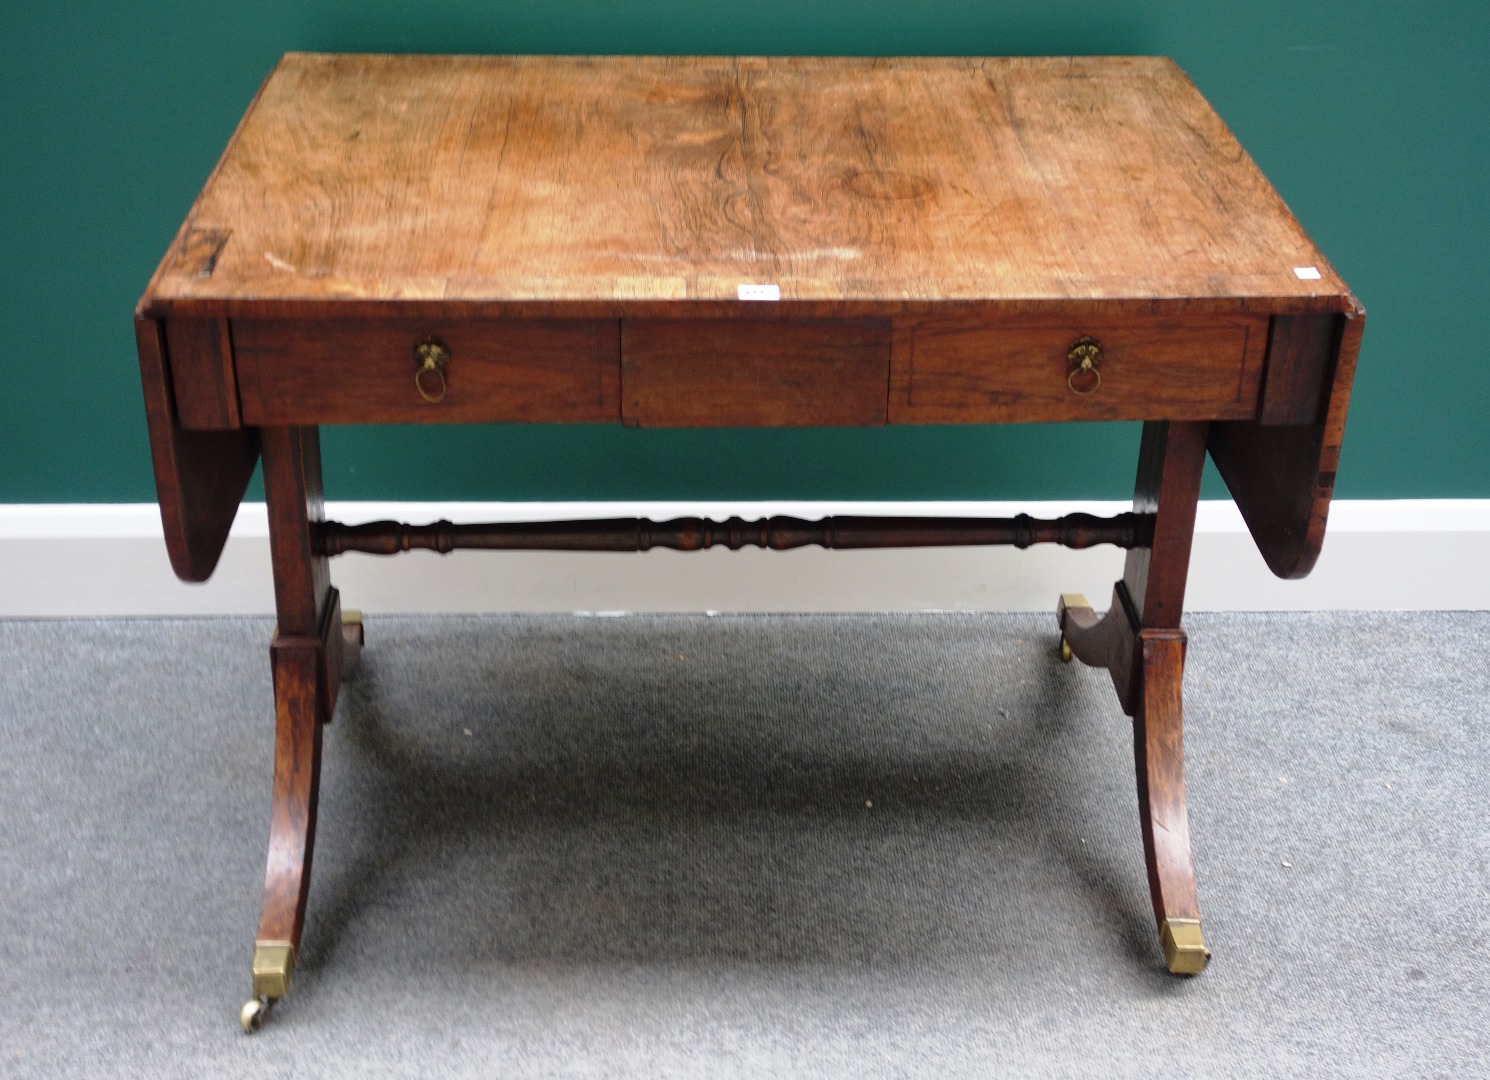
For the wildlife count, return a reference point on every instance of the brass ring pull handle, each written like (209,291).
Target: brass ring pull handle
(431,355)
(1085,357)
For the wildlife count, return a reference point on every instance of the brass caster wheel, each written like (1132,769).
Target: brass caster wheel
(251,1016)
(1066,652)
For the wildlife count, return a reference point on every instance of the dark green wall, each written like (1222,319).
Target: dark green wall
(1370,117)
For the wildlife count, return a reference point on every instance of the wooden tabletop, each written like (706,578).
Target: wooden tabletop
(646,185)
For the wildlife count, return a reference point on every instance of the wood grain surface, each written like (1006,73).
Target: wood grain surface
(306,657)
(1283,477)
(200,476)
(754,372)
(859,186)
(1171,459)
(958,371)
(201,351)
(1158,743)
(985,210)
(348,371)
(1299,355)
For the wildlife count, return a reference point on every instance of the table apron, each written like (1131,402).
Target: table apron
(757,372)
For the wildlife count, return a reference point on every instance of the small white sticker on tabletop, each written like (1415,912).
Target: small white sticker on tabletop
(1306,273)
(760,292)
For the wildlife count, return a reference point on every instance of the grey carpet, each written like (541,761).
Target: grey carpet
(748,846)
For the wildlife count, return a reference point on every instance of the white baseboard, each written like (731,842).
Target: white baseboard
(91,560)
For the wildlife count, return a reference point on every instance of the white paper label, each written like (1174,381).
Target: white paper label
(760,292)
(1306,273)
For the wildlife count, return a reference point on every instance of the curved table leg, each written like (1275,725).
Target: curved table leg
(1158,745)
(1140,643)
(292,828)
(1147,667)
(313,648)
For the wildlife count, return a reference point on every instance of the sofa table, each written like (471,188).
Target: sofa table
(766,242)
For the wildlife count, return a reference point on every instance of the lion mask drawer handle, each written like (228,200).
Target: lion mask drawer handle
(431,355)
(1085,356)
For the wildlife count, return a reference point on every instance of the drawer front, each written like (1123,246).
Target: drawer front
(294,371)
(951,371)
(754,372)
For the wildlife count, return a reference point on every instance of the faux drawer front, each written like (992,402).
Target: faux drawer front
(962,371)
(360,372)
(754,373)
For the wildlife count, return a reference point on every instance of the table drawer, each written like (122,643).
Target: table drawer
(344,371)
(754,372)
(980,371)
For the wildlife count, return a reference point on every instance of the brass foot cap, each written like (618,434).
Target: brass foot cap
(351,628)
(1184,948)
(274,963)
(1070,600)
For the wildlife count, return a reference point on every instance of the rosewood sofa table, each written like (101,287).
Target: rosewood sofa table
(708,241)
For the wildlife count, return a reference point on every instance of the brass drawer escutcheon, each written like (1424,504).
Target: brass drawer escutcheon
(431,355)
(1085,356)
